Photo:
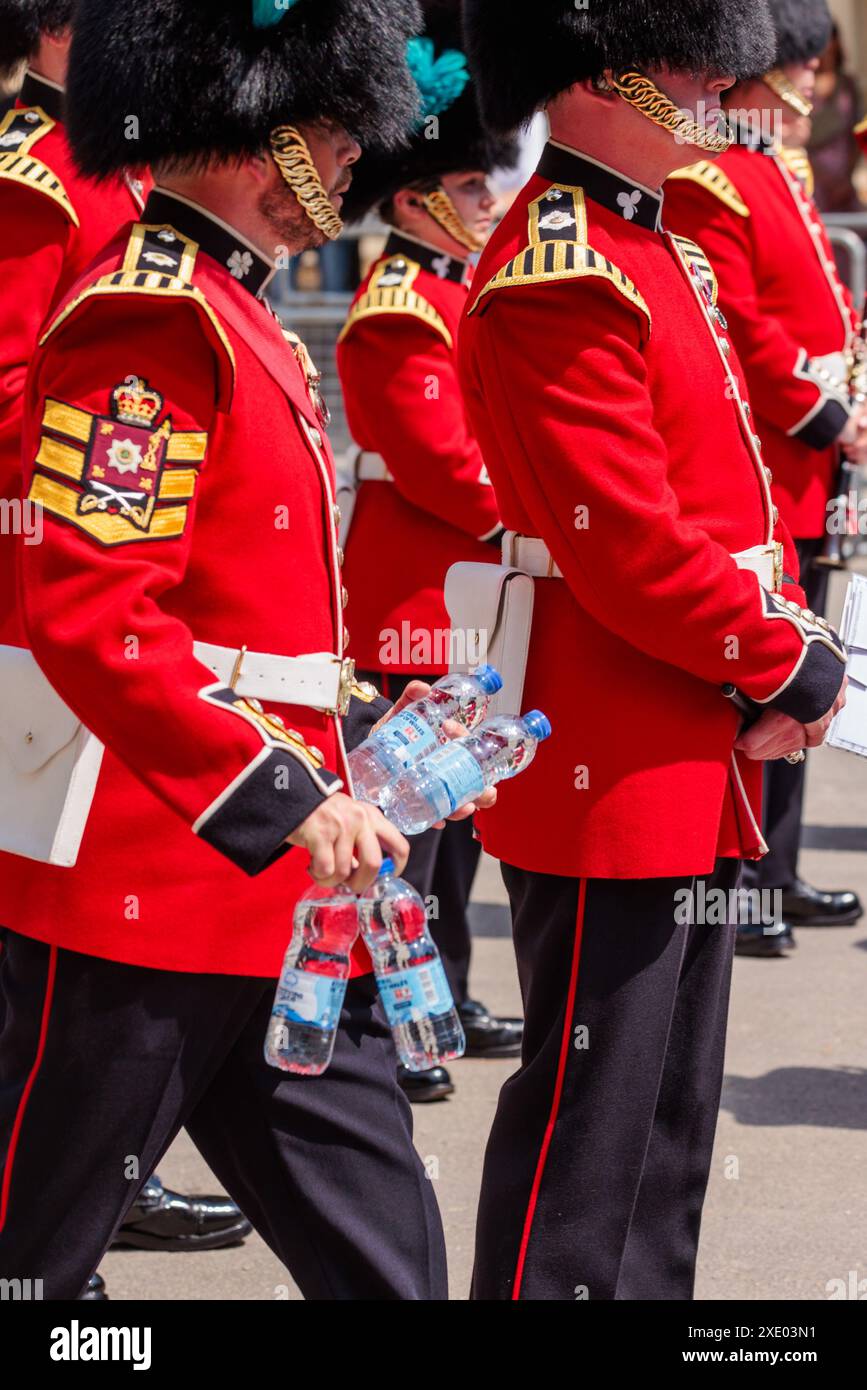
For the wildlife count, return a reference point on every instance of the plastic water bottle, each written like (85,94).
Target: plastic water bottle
(412,982)
(462,769)
(417,730)
(312,983)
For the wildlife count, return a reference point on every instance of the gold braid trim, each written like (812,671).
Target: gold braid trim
(646,97)
(443,211)
(779,83)
(293,159)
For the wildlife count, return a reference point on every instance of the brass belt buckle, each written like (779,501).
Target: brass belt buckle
(347,680)
(778,568)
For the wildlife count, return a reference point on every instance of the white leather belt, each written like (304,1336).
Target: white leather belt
(532,555)
(371,468)
(319,680)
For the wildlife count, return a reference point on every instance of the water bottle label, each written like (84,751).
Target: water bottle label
(315,1000)
(421,992)
(407,737)
(459,772)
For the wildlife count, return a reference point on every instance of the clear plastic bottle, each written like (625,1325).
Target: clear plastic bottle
(462,769)
(417,730)
(412,982)
(312,983)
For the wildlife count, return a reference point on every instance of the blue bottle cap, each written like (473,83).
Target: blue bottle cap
(387,867)
(489,679)
(538,724)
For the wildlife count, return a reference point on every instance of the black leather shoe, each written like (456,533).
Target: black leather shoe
(164,1220)
(487,1035)
(777,940)
(95,1291)
(421,1086)
(813,907)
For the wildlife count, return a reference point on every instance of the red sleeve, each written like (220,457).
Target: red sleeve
(97,592)
(34,235)
(638,566)
(404,402)
(776,365)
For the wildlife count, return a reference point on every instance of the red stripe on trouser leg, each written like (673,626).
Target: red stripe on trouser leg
(558,1091)
(25,1094)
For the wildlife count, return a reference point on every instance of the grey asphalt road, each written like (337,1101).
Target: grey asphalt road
(786,1212)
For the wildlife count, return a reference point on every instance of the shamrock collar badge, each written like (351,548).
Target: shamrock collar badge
(628,203)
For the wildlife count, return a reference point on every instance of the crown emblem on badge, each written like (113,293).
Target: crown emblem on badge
(134,403)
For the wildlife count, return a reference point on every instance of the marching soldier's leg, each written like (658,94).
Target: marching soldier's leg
(599,962)
(660,1255)
(325,1167)
(98,1064)
(454,871)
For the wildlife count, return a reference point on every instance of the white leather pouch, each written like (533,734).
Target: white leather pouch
(49,765)
(491,608)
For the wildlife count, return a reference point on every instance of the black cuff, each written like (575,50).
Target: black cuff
(815,688)
(822,429)
(251,824)
(361,717)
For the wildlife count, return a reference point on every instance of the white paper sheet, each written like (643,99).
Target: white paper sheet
(849,727)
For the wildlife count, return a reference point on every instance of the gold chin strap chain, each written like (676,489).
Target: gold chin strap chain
(443,211)
(779,83)
(293,159)
(646,97)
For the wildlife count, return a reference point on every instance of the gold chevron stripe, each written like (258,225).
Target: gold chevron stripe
(166,522)
(67,419)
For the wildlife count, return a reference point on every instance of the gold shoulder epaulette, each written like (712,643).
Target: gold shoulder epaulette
(158,262)
(798,161)
(711,177)
(19,132)
(695,259)
(390,292)
(558,250)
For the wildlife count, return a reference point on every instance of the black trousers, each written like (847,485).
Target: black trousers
(442,866)
(100,1066)
(783,781)
(598,1159)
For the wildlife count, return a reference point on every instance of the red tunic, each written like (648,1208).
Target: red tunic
(164,376)
(787,310)
(397,359)
(610,409)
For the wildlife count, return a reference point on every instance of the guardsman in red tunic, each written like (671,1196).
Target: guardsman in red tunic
(793,326)
(612,412)
(185,605)
(52,223)
(424,499)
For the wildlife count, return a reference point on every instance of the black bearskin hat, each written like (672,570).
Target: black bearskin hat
(211,79)
(22,22)
(519,66)
(457,142)
(803,30)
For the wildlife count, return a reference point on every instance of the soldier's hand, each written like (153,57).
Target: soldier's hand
(775,735)
(854,438)
(416,690)
(346,841)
